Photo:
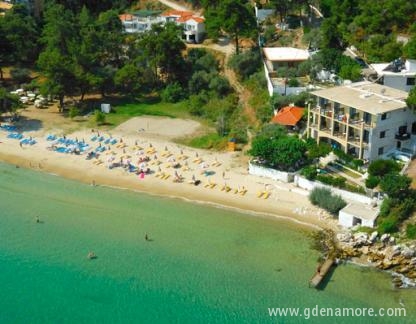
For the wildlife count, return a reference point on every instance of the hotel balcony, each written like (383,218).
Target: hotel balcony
(402,137)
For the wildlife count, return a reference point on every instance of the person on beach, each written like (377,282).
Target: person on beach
(146,237)
(37,219)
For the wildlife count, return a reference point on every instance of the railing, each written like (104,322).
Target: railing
(402,137)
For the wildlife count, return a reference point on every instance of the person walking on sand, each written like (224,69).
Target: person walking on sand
(146,237)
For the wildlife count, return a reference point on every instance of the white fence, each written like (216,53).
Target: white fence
(261,171)
(303,183)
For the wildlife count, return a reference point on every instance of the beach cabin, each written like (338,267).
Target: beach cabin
(358,214)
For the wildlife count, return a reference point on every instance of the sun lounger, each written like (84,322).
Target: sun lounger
(266,194)
(15,136)
(94,138)
(243,192)
(260,194)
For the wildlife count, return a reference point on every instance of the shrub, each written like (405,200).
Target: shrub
(293,82)
(343,156)
(99,117)
(388,225)
(315,150)
(246,64)
(411,231)
(386,206)
(332,181)
(372,182)
(73,112)
(309,172)
(382,167)
(323,198)
(172,93)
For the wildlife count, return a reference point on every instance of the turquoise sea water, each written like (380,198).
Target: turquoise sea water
(203,265)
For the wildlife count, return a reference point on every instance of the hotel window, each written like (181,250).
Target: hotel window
(411,81)
(380,150)
(383,134)
(384,116)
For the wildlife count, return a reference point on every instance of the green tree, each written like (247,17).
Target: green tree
(9,103)
(56,61)
(235,17)
(162,47)
(19,37)
(395,185)
(99,117)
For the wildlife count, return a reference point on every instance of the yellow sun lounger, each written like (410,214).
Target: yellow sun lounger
(266,195)
(243,192)
(167,176)
(260,194)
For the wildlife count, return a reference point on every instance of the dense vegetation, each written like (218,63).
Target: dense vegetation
(401,200)
(324,198)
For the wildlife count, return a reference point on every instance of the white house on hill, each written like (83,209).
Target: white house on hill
(193,26)
(398,74)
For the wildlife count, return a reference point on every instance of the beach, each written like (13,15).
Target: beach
(223,176)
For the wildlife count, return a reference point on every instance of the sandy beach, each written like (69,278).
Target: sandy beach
(223,176)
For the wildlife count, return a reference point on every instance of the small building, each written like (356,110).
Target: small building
(282,57)
(398,74)
(288,116)
(358,214)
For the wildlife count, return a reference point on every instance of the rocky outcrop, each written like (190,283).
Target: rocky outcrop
(383,253)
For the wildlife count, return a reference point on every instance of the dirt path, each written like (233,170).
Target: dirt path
(227,48)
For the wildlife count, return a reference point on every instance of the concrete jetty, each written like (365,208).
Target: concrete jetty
(321,272)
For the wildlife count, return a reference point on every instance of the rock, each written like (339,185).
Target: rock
(396,248)
(391,252)
(392,240)
(412,261)
(411,274)
(408,252)
(373,236)
(344,237)
(360,239)
(385,265)
(365,250)
(384,237)
(404,269)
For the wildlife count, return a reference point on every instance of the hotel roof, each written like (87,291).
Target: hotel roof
(285,54)
(370,97)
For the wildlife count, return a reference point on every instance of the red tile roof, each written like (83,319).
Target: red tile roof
(183,16)
(288,116)
(126,17)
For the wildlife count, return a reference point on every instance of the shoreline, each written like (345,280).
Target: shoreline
(284,201)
